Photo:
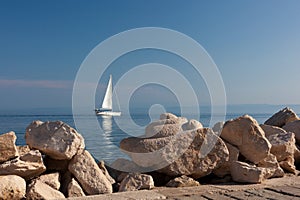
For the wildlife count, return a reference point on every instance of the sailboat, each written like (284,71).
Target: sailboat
(106,108)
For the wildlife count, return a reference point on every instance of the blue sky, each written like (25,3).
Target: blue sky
(255,44)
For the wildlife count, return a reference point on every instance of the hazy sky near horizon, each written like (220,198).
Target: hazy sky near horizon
(255,44)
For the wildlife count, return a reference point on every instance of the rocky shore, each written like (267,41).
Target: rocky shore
(173,152)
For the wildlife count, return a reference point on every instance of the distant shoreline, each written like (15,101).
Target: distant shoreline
(205,109)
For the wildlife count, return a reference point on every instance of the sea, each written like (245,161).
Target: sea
(103,134)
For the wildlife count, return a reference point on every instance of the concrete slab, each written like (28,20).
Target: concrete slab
(279,188)
(138,195)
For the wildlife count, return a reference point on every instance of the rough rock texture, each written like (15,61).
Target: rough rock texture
(39,190)
(135,181)
(52,180)
(224,169)
(105,172)
(193,153)
(288,165)
(283,145)
(282,117)
(217,128)
(74,189)
(295,128)
(8,148)
(89,175)
(27,166)
(56,139)
(191,125)
(23,149)
(246,173)
(245,133)
(182,181)
(164,127)
(12,187)
(271,130)
(271,166)
(169,124)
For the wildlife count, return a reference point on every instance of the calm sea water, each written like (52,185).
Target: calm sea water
(103,141)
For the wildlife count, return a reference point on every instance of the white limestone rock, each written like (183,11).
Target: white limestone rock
(8,148)
(28,165)
(89,175)
(39,190)
(182,181)
(246,134)
(282,117)
(193,153)
(55,139)
(12,187)
(135,181)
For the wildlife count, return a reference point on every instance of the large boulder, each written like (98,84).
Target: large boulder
(55,139)
(283,145)
(89,175)
(8,148)
(28,165)
(39,190)
(194,153)
(247,173)
(295,128)
(246,134)
(182,181)
(12,187)
(135,181)
(282,117)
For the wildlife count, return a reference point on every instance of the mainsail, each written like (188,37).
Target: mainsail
(107,101)
(106,109)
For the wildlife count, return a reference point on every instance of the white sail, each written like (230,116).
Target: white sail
(106,109)
(107,101)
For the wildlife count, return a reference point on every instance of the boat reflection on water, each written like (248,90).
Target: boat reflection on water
(107,124)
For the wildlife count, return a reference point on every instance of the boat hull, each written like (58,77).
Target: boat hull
(108,113)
